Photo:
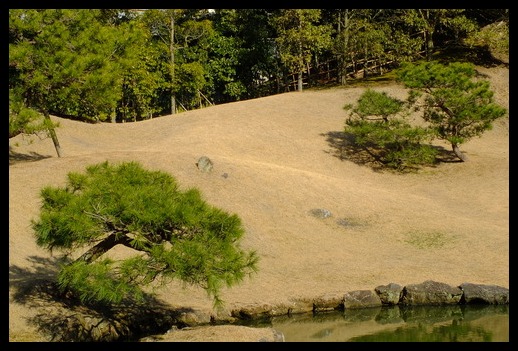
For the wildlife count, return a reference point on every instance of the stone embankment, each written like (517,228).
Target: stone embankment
(428,293)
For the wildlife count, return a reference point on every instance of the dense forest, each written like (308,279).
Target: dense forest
(122,65)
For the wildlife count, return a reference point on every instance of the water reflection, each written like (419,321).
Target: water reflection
(459,323)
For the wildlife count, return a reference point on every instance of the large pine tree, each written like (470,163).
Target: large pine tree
(173,234)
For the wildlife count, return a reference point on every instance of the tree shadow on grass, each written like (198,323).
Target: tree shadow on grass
(344,148)
(63,317)
(16,157)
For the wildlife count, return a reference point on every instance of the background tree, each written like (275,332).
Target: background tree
(195,76)
(371,40)
(224,55)
(260,61)
(449,23)
(243,61)
(184,34)
(457,104)
(300,36)
(145,87)
(494,36)
(341,41)
(378,124)
(174,234)
(368,44)
(162,25)
(68,62)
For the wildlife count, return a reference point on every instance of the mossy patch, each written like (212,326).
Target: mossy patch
(428,240)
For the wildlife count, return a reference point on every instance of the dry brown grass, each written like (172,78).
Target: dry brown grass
(275,159)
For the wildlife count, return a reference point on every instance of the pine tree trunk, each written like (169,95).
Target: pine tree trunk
(171,49)
(53,134)
(342,62)
(458,153)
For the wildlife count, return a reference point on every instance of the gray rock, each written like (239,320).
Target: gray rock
(258,311)
(430,293)
(389,294)
(484,294)
(328,302)
(361,299)
(300,305)
(193,317)
(205,164)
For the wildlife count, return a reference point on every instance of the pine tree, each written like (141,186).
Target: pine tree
(457,104)
(379,125)
(174,234)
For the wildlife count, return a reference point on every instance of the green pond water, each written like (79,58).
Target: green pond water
(458,323)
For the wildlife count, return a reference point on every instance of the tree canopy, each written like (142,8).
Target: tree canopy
(173,234)
(379,125)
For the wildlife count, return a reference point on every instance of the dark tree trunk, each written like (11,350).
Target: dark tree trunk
(104,246)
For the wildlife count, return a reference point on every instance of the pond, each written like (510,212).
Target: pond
(458,323)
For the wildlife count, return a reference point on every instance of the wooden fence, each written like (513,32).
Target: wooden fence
(327,72)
